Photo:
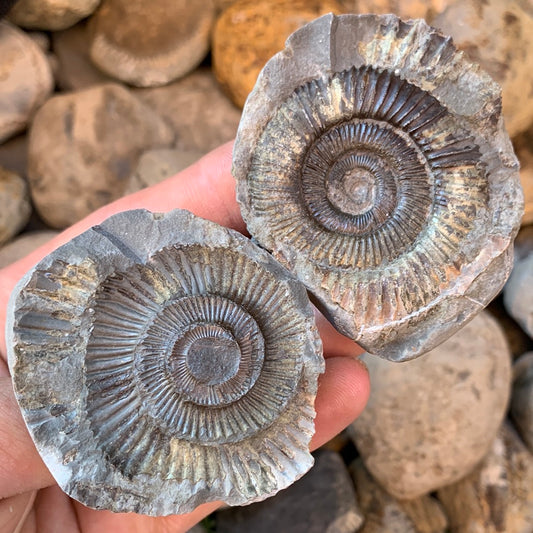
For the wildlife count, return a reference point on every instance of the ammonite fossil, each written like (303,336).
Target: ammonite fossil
(372,161)
(155,375)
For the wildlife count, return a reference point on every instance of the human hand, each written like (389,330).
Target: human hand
(31,501)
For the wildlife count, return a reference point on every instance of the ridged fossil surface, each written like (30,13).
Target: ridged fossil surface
(161,361)
(371,159)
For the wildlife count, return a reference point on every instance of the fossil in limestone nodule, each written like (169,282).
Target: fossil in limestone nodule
(162,361)
(372,161)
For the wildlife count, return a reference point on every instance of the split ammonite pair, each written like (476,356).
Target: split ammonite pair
(161,361)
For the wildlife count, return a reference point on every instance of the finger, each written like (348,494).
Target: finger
(21,467)
(206,188)
(14,511)
(334,343)
(103,521)
(55,513)
(342,395)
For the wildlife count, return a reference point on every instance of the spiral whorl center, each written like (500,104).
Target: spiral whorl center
(354,192)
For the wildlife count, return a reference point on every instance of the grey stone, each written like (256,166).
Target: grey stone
(153,372)
(323,500)
(25,80)
(84,147)
(51,14)
(385,514)
(518,296)
(15,206)
(150,43)
(397,264)
(522,398)
(203,117)
(498,496)
(75,69)
(429,421)
(23,245)
(157,165)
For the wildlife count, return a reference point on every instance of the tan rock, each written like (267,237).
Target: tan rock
(429,421)
(15,207)
(25,79)
(499,36)
(23,245)
(84,147)
(159,164)
(524,150)
(75,69)
(250,32)
(151,43)
(405,9)
(385,514)
(203,117)
(51,14)
(498,496)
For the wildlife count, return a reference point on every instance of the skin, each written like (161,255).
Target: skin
(31,501)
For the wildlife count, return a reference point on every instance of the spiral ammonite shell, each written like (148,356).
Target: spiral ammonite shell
(372,161)
(156,375)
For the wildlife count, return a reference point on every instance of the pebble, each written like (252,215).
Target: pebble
(151,43)
(429,421)
(51,14)
(25,79)
(23,245)
(15,206)
(75,70)
(498,35)
(497,497)
(522,398)
(159,164)
(523,145)
(250,32)
(321,501)
(203,117)
(405,9)
(84,147)
(518,293)
(385,514)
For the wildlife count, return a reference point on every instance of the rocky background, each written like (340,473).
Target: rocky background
(100,98)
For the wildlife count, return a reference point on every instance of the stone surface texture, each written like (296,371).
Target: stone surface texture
(151,43)
(522,398)
(518,296)
(23,245)
(429,421)
(15,206)
(157,165)
(322,501)
(51,14)
(405,9)
(84,147)
(385,514)
(498,496)
(153,372)
(334,125)
(25,80)
(250,32)
(75,69)
(202,115)
(499,36)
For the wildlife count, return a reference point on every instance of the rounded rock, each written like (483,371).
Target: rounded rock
(429,421)
(522,398)
(518,296)
(23,245)
(51,14)
(150,43)
(83,148)
(25,80)
(15,206)
(377,168)
(161,361)
(250,32)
